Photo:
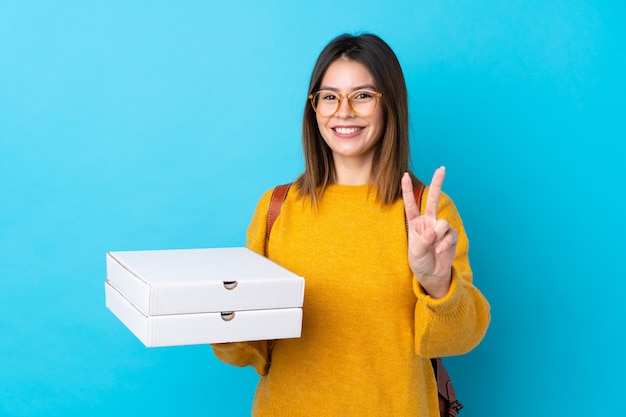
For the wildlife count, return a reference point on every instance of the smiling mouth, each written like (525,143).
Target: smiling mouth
(347,130)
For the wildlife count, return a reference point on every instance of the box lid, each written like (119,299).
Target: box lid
(181,281)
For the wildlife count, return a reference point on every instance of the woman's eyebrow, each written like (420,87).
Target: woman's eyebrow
(360,87)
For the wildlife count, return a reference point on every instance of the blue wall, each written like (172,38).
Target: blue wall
(158,124)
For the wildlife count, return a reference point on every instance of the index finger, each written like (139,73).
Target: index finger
(410,205)
(434,191)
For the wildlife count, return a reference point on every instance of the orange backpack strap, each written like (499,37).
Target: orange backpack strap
(419,192)
(276,202)
(449,406)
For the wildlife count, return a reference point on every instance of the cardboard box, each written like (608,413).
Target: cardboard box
(204,328)
(202,280)
(191,296)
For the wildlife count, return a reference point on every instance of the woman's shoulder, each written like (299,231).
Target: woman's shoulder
(280,192)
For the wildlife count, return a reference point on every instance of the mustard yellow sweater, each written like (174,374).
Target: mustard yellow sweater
(369,329)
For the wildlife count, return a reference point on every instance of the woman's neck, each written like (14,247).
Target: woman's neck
(353,172)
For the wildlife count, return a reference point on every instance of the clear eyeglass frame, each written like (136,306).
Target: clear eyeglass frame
(351,97)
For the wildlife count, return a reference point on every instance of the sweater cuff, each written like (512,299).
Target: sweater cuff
(243,354)
(447,303)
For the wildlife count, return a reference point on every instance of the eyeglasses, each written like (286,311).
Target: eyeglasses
(362,102)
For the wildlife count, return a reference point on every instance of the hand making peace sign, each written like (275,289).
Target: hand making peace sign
(432,242)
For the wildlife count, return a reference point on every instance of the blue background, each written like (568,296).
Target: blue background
(128,125)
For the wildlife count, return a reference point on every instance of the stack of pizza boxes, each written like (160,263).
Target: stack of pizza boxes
(198,296)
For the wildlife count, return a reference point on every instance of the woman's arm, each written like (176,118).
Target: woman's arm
(455,321)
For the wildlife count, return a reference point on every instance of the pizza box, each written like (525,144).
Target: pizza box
(204,328)
(182,281)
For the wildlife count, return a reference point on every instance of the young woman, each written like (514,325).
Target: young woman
(388,284)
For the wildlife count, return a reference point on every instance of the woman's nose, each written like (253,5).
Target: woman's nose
(344,108)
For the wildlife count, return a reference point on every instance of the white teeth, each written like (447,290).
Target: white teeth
(346,130)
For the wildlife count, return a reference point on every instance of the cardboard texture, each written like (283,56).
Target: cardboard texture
(194,296)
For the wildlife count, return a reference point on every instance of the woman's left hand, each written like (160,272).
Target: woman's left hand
(432,242)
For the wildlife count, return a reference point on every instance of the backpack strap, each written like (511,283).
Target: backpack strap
(449,406)
(419,192)
(276,202)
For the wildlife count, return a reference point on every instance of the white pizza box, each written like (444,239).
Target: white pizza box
(181,281)
(204,328)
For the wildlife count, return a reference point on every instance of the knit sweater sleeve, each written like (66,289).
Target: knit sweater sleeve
(456,323)
(255,354)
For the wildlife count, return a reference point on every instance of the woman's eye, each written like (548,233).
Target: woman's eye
(363,95)
(329,97)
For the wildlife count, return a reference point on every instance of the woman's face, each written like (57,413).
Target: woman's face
(351,138)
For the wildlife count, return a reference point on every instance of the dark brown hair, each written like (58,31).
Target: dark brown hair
(391,156)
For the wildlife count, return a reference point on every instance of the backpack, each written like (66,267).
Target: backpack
(449,406)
